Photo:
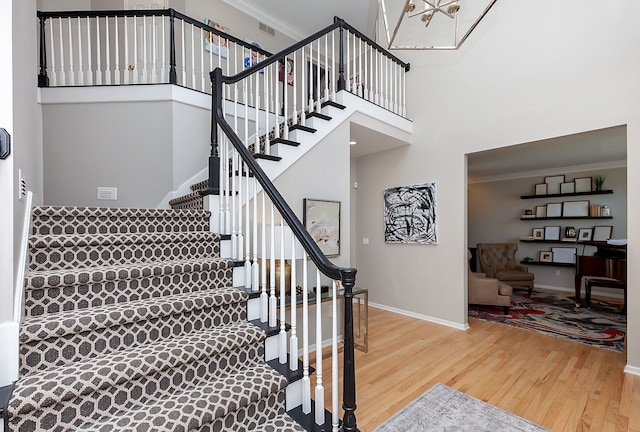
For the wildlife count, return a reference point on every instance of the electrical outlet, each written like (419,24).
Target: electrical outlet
(365,241)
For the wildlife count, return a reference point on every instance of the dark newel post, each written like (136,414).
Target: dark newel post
(216,109)
(349,369)
(341,81)
(173,77)
(43,79)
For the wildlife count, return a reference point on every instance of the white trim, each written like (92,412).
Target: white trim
(434,320)
(262,15)
(551,171)
(632,370)
(9,359)
(18,300)
(325,343)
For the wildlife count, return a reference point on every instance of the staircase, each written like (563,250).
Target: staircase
(132,323)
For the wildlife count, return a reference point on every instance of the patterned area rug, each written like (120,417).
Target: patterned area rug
(442,409)
(602,325)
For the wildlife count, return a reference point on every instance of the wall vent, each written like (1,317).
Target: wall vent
(265,28)
(107,193)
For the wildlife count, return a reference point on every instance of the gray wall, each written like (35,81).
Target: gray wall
(494,210)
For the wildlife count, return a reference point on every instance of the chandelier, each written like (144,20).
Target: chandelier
(431,24)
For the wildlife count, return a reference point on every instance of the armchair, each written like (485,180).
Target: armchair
(497,260)
(488,291)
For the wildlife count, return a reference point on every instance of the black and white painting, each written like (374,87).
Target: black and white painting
(410,214)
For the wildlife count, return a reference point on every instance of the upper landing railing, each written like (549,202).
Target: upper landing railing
(97,48)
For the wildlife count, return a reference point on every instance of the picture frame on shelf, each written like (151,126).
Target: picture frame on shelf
(583,184)
(554,210)
(567,187)
(538,233)
(552,233)
(546,256)
(541,189)
(564,255)
(585,234)
(541,211)
(575,208)
(602,233)
(553,184)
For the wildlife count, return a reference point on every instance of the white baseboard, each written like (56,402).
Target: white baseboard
(9,356)
(434,320)
(632,370)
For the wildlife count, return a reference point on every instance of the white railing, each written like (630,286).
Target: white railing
(95,48)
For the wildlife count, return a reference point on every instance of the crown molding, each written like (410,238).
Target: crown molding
(550,171)
(261,15)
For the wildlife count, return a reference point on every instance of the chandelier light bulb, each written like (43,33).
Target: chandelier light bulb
(410,7)
(426,16)
(453,8)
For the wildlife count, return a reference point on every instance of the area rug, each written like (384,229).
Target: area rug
(602,325)
(442,409)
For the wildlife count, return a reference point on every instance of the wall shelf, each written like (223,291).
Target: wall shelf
(554,264)
(566,218)
(552,241)
(601,192)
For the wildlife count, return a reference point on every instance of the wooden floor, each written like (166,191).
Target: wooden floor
(561,385)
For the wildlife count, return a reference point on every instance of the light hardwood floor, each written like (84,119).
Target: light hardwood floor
(561,385)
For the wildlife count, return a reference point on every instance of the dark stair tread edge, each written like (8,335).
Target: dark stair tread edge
(5,396)
(250,292)
(319,115)
(302,128)
(225,236)
(333,104)
(271,331)
(285,142)
(209,191)
(267,157)
(284,370)
(308,421)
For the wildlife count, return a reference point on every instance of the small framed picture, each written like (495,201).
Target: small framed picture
(575,209)
(565,255)
(585,234)
(602,233)
(583,184)
(552,233)
(553,184)
(546,256)
(568,187)
(538,233)
(541,189)
(554,210)
(541,211)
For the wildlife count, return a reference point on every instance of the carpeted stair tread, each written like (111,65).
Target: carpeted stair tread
(93,220)
(51,252)
(46,326)
(192,200)
(190,409)
(201,185)
(65,277)
(282,423)
(45,388)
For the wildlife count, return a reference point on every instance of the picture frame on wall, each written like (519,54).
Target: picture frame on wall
(567,187)
(602,233)
(541,189)
(553,184)
(322,221)
(575,208)
(583,184)
(564,255)
(538,233)
(585,234)
(541,211)
(554,210)
(546,256)
(552,233)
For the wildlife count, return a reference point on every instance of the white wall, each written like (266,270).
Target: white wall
(525,74)
(494,209)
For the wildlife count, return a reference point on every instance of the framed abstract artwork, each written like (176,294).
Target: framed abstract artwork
(322,220)
(410,214)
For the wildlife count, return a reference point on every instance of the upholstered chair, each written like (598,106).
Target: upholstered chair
(498,260)
(488,291)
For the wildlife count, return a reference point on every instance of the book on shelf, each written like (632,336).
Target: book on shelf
(569,239)
(526,216)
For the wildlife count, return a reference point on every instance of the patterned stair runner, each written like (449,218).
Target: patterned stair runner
(131,324)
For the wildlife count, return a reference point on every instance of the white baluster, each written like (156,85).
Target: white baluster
(386,77)
(264,297)
(372,51)
(377,81)
(193,59)
(306,381)
(184,60)
(52,75)
(80,55)
(354,85)
(116,58)
(163,66)
(334,359)
(255,282)
(89,67)
(98,43)
(154,50)
(319,394)
(145,55)
(202,83)
(267,116)
(303,113)
(221,191)
(285,101)
(273,304)
(293,340)
(247,234)
(134,70)
(333,68)
(107,53)
(276,92)
(318,98)
(285,78)
(72,77)
(282,339)
(257,115)
(325,96)
(365,73)
(347,63)
(61,45)
(360,92)
(403,77)
(240,167)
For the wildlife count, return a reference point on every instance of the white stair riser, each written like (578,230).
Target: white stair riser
(253,309)
(225,248)
(271,349)
(294,395)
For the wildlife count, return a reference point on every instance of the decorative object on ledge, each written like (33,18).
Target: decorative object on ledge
(322,220)
(431,24)
(585,234)
(538,234)
(410,214)
(598,181)
(546,256)
(602,233)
